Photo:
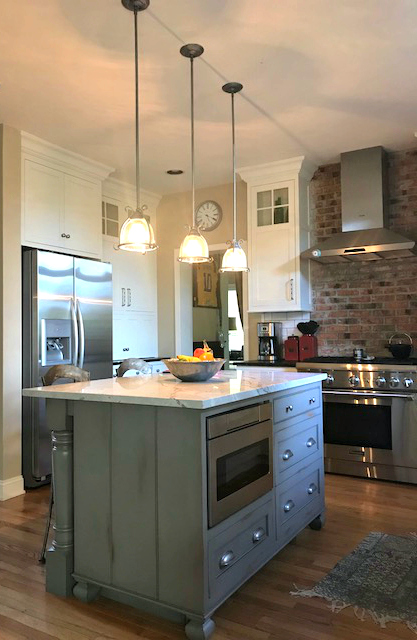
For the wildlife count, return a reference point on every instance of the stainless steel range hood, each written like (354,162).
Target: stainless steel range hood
(365,235)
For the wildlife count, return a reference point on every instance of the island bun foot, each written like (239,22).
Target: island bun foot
(318,522)
(86,592)
(202,629)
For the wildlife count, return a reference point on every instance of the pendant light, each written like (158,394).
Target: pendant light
(234,258)
(194,247)
(136,233)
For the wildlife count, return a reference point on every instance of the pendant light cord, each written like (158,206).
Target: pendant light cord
(192,140)
(234,167)
(137,110)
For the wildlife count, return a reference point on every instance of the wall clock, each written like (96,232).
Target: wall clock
(208,215)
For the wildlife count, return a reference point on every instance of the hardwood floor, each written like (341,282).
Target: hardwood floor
(261,610)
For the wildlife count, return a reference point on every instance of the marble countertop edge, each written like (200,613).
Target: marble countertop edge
(167,391)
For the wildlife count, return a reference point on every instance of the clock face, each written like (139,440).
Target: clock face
(208,215)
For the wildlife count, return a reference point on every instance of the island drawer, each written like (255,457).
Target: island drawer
(288,530)
(295,444)
(293,404)
(298,491)
(234,554)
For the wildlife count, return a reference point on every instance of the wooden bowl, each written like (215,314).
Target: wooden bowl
(194,371)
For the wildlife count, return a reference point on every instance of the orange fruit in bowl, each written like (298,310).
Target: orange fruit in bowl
(207,355)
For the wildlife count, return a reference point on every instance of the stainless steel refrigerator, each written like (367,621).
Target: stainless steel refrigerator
(67,319)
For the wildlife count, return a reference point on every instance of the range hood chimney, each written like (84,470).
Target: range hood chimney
(365,235)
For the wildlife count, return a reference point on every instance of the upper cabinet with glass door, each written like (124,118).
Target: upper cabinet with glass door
(277,233)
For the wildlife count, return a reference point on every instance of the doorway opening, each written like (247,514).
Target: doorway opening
(218,309)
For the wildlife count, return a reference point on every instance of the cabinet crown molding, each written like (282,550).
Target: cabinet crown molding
(278,170)
(63,158)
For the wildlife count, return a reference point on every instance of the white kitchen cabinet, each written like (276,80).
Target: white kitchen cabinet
(135,336)
(278,231)
(43,203)
(61,199)
(135,325)
(82,216)
(134,280)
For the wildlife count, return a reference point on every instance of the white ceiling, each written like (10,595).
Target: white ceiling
(319,76)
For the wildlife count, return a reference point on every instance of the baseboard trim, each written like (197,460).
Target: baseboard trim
(11,488)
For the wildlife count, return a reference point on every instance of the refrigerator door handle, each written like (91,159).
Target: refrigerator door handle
(75,334)
(82,336)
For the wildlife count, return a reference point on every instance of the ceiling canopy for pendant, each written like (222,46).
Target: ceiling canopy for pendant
(234,259)
(194,247)
(137,233)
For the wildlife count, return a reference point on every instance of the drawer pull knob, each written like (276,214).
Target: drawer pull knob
(310,443)
(288,506)
(63,235)
(126,349)
(226,559)
(258,534)
(312,400)
(289,408)
(287,454)
(311,489)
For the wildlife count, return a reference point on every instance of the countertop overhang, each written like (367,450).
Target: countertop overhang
(164,390)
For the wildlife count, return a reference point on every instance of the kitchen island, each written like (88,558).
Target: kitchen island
(170,495)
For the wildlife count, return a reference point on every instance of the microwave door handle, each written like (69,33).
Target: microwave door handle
(82,336)
(74,334)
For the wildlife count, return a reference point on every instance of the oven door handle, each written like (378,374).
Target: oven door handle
(367,394)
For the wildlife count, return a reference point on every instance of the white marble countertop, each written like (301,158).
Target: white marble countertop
(164,390)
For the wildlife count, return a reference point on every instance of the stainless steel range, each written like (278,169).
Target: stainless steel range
(370,416)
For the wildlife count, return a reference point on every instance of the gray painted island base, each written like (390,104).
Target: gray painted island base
(130,486)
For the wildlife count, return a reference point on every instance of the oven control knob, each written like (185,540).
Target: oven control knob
(394,381)
(408,382)
(354,381)
(381,381)
(329,379)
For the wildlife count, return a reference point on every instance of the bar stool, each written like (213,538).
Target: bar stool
(58,372)
(133,363)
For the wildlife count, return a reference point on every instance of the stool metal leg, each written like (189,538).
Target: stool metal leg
(48,524)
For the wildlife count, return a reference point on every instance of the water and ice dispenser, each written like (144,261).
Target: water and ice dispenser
(55,342)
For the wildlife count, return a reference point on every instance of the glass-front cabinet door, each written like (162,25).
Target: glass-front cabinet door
(272,206)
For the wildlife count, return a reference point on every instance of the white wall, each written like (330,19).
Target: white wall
(173,213)
(11,481)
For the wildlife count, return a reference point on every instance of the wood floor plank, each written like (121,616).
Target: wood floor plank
(262,609)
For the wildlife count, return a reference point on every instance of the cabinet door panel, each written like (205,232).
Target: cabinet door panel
(141,283)
(134,565)
(83,215)
(272,285)
(43,204)
(135,336)
(125,337)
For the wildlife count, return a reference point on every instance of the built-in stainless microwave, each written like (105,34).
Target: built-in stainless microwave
(240,462)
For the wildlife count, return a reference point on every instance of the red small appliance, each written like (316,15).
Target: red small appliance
(291,349)
(307,347)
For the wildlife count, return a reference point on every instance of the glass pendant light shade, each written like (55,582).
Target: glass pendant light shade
(234,259)
(194,248)
(137,234)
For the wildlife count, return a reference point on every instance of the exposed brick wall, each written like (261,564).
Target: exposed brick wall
(362,304)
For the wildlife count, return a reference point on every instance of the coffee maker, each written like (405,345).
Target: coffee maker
(270,341)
